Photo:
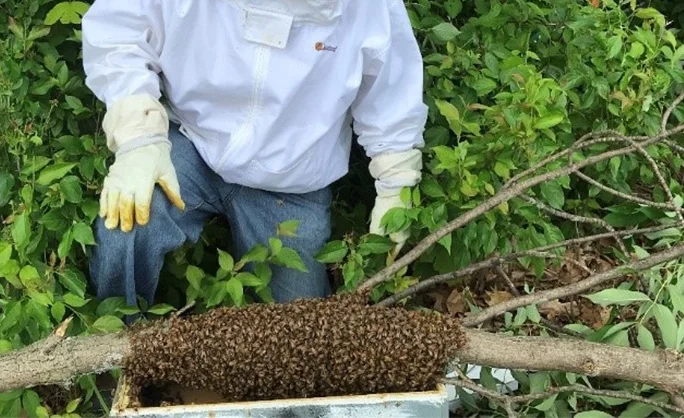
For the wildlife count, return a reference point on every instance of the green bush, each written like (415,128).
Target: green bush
(507,83)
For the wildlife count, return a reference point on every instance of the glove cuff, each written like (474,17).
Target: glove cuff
(135,121)
(394,171)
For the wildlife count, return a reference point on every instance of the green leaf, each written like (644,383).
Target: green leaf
(161,309)
(83,234)
(617,297)
(54,172)
(614,46)
(645,338)
(12,313)
(275,245)
(446,242)
(42,412)
(258,253)
(107,324)
(194,275)
(445,31)
(452,115)
(533,315)
(225,260)
(29,276)
(249,279)
(553,194)
(72,405)
(54,220)
(332,252)
(484,86)
(549,120)
(6,346)
(615,163)
(6,184)
(288,228)
(71,189)
(676,298)
(640,410)
(264,272)
(432,188)
(667,324)
(43,298)
(67,12)
(453,7)
(30,401)
(74,300)
(502,170)
(5,253)
(547,404)
(21,230)
(289,258)
(39,314)
(375,244)
(235,290)
(636,50)
(593,414)
(58,310)
(73,281)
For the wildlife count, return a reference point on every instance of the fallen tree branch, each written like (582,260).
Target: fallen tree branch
(57,362)
(574,288)
(72,357)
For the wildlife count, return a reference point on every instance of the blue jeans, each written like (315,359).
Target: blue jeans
(129,264)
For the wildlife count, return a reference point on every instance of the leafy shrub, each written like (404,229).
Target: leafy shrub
(507,83)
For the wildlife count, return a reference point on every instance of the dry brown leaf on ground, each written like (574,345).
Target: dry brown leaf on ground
(498,296)
(456,302)
(554,309)
(594,316)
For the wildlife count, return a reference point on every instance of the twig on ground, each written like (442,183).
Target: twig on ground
(544,321)
(575,288)
(498,260)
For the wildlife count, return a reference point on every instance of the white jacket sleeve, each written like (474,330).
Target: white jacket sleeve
(389,113)
(122,41)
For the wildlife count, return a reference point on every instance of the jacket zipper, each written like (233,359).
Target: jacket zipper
(261,64)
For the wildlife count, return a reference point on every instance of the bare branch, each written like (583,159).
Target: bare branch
(575,218)
(635,199)
(499,198)
(668,112)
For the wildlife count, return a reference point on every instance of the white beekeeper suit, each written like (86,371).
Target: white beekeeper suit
(268,91)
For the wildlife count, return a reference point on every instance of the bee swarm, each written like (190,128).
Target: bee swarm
(306,348)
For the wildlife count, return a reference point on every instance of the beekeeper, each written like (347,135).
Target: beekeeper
(245,109)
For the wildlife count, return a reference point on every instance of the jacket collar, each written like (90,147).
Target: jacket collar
(319,12)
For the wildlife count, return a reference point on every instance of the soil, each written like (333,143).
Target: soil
(307,348)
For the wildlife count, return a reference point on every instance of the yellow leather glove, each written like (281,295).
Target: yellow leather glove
(136,128)
(392,172)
